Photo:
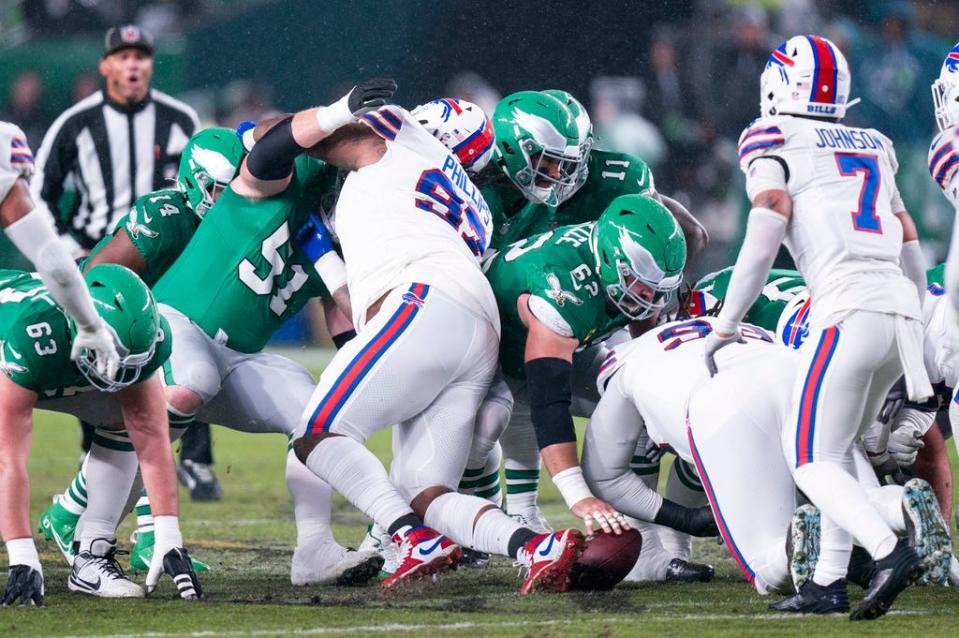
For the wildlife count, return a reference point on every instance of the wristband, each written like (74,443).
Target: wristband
(329,118)
(332,270)
(572,485)
(166,531)
(22,551)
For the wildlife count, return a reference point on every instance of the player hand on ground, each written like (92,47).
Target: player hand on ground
(101,342)
(714,343)
(314,238)
(25,584)
(904,444)
(595,512)
(176,562)
(370,95)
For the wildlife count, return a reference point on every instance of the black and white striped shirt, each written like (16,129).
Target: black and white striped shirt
(110,154)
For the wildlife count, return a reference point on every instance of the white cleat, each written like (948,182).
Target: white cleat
(328,563)
(377,540)
(96,573)
(532,518)
(928,532)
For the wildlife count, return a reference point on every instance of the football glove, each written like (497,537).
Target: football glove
(715,343)
(100,340)
(175,562)
(370,95)
(25,584)
(314,238)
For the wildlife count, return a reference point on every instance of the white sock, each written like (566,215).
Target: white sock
(888,502)
(111,467)
(522,461)
(144,514)
(835,548)
(483,479)
(454,515)
(839,496)
(311,502)
(74,498)
(358,475)
(653,559)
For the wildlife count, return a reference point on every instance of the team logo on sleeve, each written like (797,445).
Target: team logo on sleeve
(557,294)
(134,227)
(6,365)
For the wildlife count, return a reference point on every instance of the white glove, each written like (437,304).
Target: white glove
(715,343)
(100,340)
(905,441)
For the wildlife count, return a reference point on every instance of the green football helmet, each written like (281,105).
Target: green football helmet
(640,254)
(128,308)
(537,145)
(209,163)
(585,126)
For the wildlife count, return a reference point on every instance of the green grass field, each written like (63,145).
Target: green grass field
(248,539)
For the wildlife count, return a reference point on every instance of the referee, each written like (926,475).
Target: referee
(100,155)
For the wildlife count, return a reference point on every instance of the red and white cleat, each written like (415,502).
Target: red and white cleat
(424,552)
(549,558)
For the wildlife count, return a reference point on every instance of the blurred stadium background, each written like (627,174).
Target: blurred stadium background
(673,81)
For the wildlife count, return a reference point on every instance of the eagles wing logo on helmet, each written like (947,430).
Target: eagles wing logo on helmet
(542,129)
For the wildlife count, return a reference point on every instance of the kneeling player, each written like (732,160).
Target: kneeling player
(36,341)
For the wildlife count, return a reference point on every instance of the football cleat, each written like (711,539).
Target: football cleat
(97,573)
(200,480)
(802,544)
(894,573)
(816,599)
(327,563)
(532,518)
(377,540)
(548,559)
(954,572)
(424,552)
(58,524)
(861,567)
(683,571)
(142,554)
(475,559)
(928,532)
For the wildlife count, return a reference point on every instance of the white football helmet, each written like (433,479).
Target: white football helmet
(793,325)
(945,91)
(806,75)
(462,126)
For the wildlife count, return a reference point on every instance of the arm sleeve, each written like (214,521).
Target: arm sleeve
(764,234)
(33,234)
(610,443)
(913,264)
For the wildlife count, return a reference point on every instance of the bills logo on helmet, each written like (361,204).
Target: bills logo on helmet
(952,60)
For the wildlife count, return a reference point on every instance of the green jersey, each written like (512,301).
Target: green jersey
(160,224)
(781,287)
(610,175)
(936,276)
(243,274)
(35,339)
(557,269)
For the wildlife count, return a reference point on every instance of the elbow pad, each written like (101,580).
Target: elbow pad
(272,157)
(550,382)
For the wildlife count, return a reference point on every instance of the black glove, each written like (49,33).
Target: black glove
(695,521)
(23,583)
(893,403)
(370,95)
(178,565)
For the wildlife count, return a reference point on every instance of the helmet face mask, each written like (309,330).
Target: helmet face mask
(538,146)
(127,307)
(640,254)
(945,91)
(585,126)
(209,163)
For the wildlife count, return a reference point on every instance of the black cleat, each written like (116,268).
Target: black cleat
(682,571)
(894,573)
(474,559)
(816,599)
(861,567)
(200,480)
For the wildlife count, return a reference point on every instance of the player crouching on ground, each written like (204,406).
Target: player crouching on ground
(35,359)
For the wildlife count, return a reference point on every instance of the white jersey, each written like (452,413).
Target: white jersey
(413,216)
(16,160)
(661,369)
(843,234)
(940,338)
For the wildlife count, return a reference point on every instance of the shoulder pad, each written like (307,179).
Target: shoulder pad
(942,155)
(386,121)
(759,138)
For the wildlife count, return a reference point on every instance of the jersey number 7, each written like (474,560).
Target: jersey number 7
(851,164)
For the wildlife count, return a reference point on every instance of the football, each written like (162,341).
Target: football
(606,560)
